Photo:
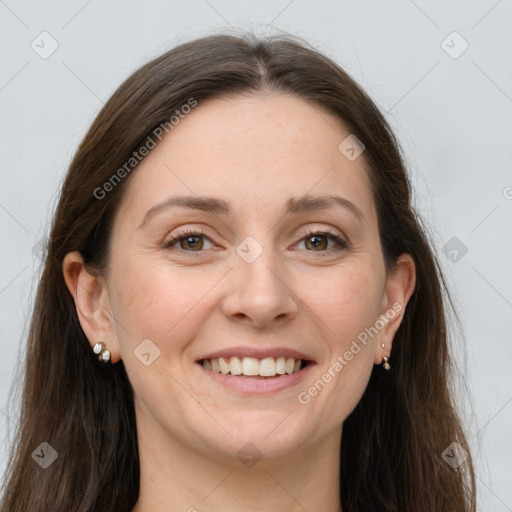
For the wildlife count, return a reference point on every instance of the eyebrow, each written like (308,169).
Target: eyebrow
(295,205)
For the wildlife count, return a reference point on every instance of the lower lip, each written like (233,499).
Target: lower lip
(255,385)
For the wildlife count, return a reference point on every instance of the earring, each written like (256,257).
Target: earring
(103,353)
(385,365)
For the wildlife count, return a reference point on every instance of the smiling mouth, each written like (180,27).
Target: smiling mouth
(254,367)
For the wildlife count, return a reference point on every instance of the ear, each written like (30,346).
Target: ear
(400,285)
(90,293)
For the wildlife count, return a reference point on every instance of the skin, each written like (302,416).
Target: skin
(255,152)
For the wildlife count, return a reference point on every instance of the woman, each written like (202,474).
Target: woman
(239,308)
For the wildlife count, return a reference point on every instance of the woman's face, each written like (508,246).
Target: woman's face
(254,276)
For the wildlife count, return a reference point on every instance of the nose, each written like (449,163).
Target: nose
(259,293)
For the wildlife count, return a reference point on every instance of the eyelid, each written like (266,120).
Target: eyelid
(322,230)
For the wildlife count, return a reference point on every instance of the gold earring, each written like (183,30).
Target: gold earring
(385,365)
(102,352)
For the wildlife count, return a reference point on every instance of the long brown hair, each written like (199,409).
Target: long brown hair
(391,455)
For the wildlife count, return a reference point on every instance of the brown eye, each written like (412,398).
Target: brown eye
(188,241)
(319,242)
(191,242)
(316,242)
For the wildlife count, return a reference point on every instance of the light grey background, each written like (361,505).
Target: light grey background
(452,117)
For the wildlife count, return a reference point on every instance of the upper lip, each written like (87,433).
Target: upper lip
(259,353)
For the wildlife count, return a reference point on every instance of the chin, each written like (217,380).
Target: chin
(261,434)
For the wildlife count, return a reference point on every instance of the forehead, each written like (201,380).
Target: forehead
(253,151)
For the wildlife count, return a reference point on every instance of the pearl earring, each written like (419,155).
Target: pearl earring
(102,352)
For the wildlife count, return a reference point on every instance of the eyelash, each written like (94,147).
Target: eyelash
(182,234)
(342,244)
(186,232)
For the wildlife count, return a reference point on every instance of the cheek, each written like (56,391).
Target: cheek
(346,300)
(156,303)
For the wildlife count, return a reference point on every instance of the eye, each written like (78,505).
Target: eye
(315,241)
(189,240)
(318,241)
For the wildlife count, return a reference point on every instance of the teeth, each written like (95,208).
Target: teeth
(250,366)
(215,365)
(267,367)
(235,366)
(224,365)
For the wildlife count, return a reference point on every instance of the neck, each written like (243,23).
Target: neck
(174,476)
